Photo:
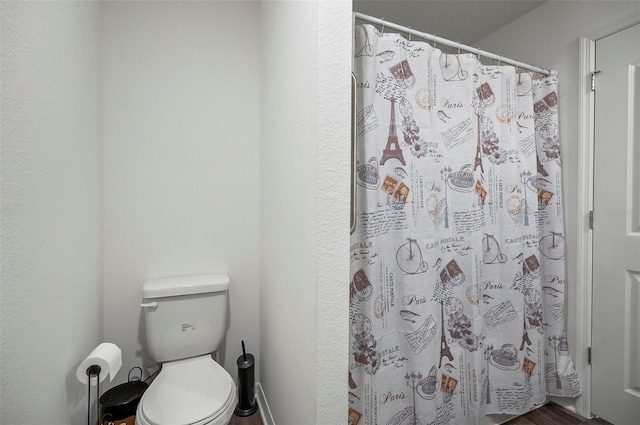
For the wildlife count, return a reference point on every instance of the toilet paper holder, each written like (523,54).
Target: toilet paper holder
(105,360)
(93,375)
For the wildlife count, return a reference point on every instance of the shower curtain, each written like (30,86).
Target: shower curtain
(457,259)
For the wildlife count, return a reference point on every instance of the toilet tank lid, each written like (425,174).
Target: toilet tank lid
(185,285)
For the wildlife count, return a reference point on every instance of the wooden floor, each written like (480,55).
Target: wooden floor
(254,419)
(552,414)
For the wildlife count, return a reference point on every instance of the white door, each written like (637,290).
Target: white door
(616,234)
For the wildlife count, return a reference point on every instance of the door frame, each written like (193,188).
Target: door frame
(586,147)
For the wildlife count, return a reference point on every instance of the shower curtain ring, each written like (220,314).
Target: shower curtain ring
(475,54)
(499,60)
(382,30)
(409,34)
(435,44)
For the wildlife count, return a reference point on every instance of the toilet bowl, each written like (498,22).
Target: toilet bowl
(192,391)
(185,320)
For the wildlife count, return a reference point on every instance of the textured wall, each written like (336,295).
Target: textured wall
(334,176)
(51,219)
(305,209)
(179,90)
(181,151)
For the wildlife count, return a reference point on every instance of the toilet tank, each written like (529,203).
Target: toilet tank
(185,316)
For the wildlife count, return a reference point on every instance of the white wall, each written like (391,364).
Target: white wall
(51,307)
(181,100)
(548,37)
(304,209)
(186,181)
(333,188)
(288,233)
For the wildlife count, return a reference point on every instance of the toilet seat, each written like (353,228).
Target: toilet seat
(195,391)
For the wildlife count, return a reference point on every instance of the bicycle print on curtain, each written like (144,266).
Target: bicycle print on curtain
(457,261)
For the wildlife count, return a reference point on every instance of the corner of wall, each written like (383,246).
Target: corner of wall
(334,167)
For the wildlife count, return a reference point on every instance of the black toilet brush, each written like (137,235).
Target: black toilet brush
(246,385)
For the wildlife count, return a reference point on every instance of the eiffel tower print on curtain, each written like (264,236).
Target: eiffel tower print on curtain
(392,150)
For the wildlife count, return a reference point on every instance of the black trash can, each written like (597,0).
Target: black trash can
(118,405)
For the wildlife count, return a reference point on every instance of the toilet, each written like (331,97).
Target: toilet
(185,321)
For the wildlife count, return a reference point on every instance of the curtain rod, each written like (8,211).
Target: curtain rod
(453,44)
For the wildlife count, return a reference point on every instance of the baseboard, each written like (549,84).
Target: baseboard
(265,412)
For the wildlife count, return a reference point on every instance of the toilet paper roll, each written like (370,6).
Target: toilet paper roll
(106,355)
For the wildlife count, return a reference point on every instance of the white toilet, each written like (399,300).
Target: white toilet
(185,319)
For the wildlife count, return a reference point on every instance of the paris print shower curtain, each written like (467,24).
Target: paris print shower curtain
(457,289)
